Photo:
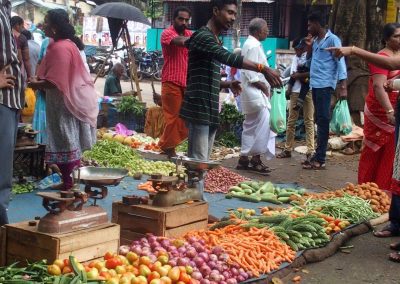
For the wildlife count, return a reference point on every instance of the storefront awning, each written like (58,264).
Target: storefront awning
(38,3)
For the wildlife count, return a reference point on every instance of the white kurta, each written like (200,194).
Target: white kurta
(257,137)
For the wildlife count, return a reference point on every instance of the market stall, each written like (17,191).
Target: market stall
(161,221)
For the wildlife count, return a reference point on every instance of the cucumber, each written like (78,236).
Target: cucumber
(270,200)
(248,198)
(247,191)
(304,228)
(267,187)
(228,196)
(255,185)
(235,188)
(245,186)
(292,245)
(284,199)
(283,236)
(273,219)
(285,194)
(246,182)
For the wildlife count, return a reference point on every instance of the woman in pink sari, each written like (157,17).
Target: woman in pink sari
(72,108)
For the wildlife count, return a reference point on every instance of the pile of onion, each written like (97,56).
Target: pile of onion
(210,266)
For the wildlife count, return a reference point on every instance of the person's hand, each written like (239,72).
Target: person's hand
(343,91)
(341,51)
(388,85)
(295,76)
(391,118)
(6,80)
(235,87)
(273,77)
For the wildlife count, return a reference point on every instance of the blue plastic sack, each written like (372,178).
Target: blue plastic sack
(49,181)
(341,123)
(278,111)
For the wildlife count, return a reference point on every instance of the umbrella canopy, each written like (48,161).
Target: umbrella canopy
(121,11)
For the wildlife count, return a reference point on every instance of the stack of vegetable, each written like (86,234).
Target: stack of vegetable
(19,188)
(115,155)
(351,208)
(257,250)
(136,141)
(221,179)
(208,264)
(254,191)
(379,200)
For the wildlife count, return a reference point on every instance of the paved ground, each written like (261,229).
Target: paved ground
(367,262)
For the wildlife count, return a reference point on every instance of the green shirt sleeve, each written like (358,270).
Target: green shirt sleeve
(112,86)
(205,43)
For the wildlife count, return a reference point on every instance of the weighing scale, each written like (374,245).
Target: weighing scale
(67,210)
(174,190)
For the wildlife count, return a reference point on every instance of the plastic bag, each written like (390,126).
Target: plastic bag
(341,119)
(30,100)
(49,181)
(278,111)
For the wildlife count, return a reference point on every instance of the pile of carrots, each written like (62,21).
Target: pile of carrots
(257,250)
(147,186)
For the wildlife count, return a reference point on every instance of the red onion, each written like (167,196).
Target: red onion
(137,249)
(198,261)
(153,258)
(244,275)
(172,262)
(123,250)
(226,274)
(192,240)
(202,242)
(234,271)
(213,257)
(151,238)
(198,247)
(222,282)
(231,281)
(204,256)
(191,252)
(196,275)
(217,250)
(183,261)
(220,267)
(223,257)
(240,278)
(211,264)
(165,243)
(182,250)
(214,276)
(205,270)
(204,281)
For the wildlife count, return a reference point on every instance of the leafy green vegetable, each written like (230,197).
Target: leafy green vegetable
(131,105)
(229,114)
(228,139)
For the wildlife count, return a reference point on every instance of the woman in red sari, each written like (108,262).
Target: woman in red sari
(376,161)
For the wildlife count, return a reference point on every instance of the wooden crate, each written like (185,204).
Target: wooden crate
(175,221)
(21,242)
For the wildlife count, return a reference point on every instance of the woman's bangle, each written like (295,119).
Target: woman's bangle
(260,67)
(390,111)
(352,50)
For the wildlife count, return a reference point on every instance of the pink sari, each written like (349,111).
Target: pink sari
(63,67)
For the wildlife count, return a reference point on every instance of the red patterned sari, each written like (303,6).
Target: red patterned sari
(376,161)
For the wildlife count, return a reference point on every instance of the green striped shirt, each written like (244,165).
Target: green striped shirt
(201,100)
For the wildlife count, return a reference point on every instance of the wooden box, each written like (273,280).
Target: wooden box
(21,242)
(137,220)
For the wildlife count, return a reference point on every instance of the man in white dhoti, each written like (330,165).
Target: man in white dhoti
(257,137)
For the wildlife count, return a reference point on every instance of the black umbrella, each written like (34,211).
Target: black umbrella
(121,11)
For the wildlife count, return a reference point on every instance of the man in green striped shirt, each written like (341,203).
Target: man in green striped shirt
(200,108)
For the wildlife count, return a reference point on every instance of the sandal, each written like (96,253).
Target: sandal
(243,164)
(259,168)
(307,160)
(314,165)
(395,246)
(386,232)
(284,154)
(394,256)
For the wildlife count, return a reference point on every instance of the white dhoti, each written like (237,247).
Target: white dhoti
(257,136)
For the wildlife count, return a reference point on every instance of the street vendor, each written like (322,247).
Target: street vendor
(200,108)
(174,80)
(112,86)
(11,101)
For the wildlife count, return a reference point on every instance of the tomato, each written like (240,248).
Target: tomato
(105,275)
(174,274)
(182,269)
(189,269)
(53,269)
(66,270)
(59,263)
(329,218)
(92,274)
(144,270)
(165,280)
(66,262)
(184,277)
(120,269)
(131,256)
(108,255)
(113,280)
(163,259)
(153,275)
(156,281)
(113,262)
(144,260)
(87,268)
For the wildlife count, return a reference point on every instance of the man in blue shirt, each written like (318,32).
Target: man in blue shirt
(325,73)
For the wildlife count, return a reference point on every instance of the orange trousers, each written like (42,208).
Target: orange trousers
(175,130)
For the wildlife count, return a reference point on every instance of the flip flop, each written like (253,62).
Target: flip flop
(314,166)
(386,232)
(395,246)
(394,256)
(284,154)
